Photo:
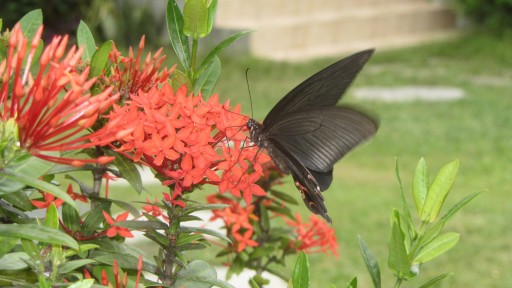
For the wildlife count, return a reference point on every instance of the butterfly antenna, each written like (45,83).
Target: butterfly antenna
(249,90)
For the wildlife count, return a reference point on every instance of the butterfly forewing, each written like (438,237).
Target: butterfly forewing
(323,89)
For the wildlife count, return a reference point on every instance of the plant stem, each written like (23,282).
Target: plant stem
(398,282)
(192,68)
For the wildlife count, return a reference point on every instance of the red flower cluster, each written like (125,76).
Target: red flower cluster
(188,140)
(237,220)
(116,230)
(314,236)
(52,108)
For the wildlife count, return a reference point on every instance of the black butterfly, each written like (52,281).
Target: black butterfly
(305,133)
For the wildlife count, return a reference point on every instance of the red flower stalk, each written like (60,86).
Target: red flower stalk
(129,75)
(188,140)
(116,230)
(314,236)
(52,108)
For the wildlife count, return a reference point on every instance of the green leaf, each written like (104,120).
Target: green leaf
(125,206)
(208,79)
(95,218)
(41,185)
(300,278)
(129,172)
(434,280)
(439,190)
(265,221)
(142,225)
(405,208)
(69,266)
(52,217)
(31,22)
(179,79)
(206,231)
(14,261)
(371,264)
(353,283)
(38,233)
(1,24)
(284,197)
(70,217)
(262,251)
(19,199)
(179,40)
(7,244)
(221,46)
(398,262)
(84,283)
(458,206)
(253,284)
(430,233)
(212,8)
(436,247)
(204,207)
(185,238)
(85,39)
(420,185)
(123,260)
(195,15)
(33,167)
(99,59)
(199,274)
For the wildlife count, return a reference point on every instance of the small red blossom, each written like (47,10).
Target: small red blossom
(154,210)
(76,196)
(48,200)
(51,108)
(116,230)
(314,236)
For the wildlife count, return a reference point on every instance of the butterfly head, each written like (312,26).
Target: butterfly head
(255,131)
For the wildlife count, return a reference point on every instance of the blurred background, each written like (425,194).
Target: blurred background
(440,83)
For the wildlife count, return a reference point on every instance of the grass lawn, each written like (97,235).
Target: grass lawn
(475,129)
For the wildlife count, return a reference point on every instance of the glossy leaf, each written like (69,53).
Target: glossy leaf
(435,280)
(129,172)
(253,284)
(398,262)
(430,233)
(352,283)
(142,225)
(439,190)
(221,46)
(300,278)
(195,16)
(70,217)
(458,206)
(420,184)
(436,247)
(84,283)
(85,39)
(186,238)
(99,59)
(212,8)
(52,217)
(125,206)
(95,217)
(371,264)
(31,22)
(7,244)
(19,199)
(199,274)
(205,231)
(179,40)
(71,265)
(405,208)
(41,185)
(179,79)
(208,79)
(14,261)
(38,233)
(32,167)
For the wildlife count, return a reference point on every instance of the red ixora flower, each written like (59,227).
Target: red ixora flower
(116,230)
(48,200)
(51,107)
(314,236)
(188,140)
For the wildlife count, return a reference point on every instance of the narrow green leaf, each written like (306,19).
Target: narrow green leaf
(199,274)
(208,79)
(179,79)
(300,278)
(85,39)
(179,40)
(265,221)
(439,190)
(371,264)
(262,251)
(157,238)
(33,167)
(41,185)
(204,207)
(125,206)
(434,280)
(71,265)
(19,199)
(70,217)
(430,234)
(84,283)
(52,217)
(14,261)
(420,185)
(353,283)
(398,262)
(129,172)
(212,8)
(38,233)
(142,225)
(99,59)
(125,261)
(438,246)
(95,218)
(284,197)
(405,208)
(195,15)
(1,24)
(221,46)
(458,206)
(186,238)
(253,284)
(7,243)
(31,22)
(205,231)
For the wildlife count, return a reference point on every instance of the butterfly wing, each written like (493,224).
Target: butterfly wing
(322,89)
(319,137)
(309,183)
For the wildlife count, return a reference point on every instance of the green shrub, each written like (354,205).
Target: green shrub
(492,15)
